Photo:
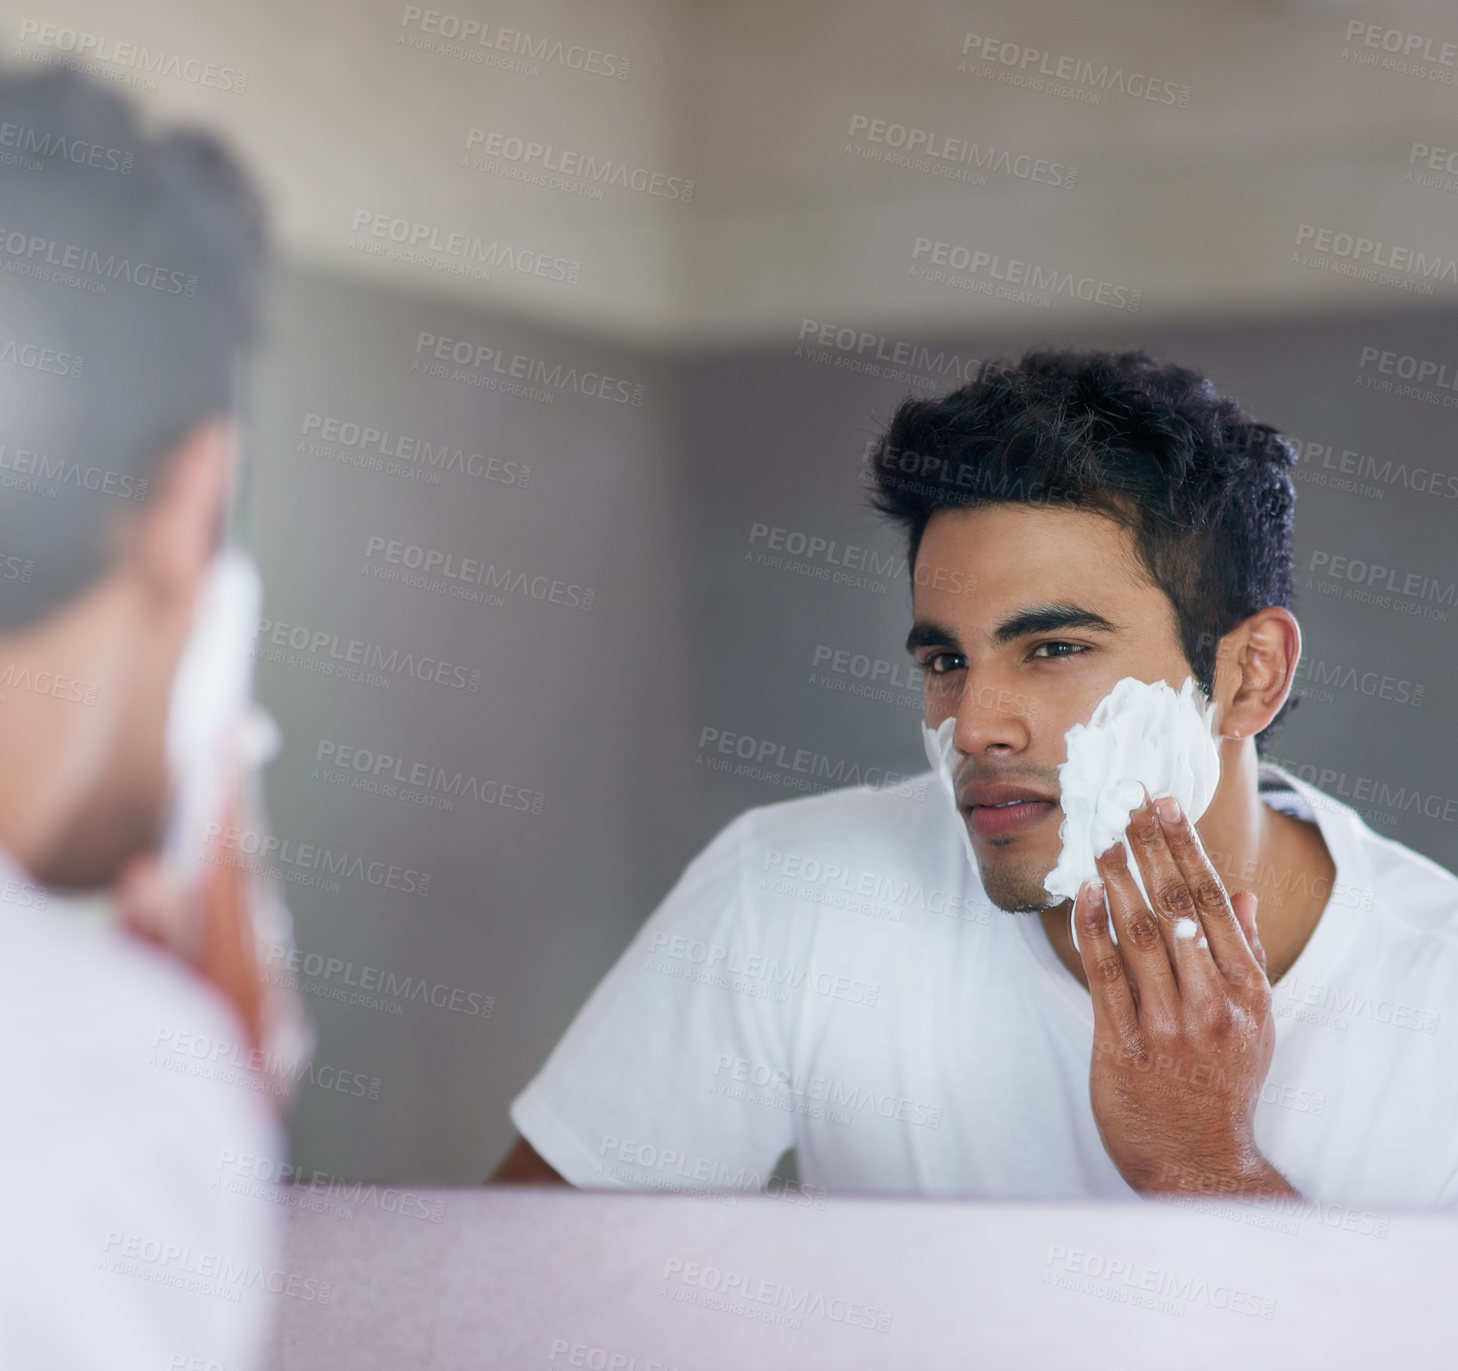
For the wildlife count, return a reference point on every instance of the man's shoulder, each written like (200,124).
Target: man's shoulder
(1419,891)
(104,963)
(830,858)
(129,1142)
(1417,894)
(907,821)
(151,1041)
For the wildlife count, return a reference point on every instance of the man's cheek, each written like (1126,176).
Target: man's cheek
(938,700)
(1050,718)
(1078,704)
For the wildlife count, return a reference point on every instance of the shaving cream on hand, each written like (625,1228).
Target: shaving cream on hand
(1143,734)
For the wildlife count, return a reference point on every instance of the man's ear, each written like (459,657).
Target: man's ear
(1255,669)
(169,542)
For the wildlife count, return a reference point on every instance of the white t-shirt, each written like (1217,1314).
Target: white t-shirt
(829,974)
(132,1238)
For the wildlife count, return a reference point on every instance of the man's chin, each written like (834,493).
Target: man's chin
(1012,876)
(1021,893)
(1028,908)
(94,857)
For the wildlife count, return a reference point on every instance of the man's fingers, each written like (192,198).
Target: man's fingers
(228,953)
(1108,983)
(1176,905)
(1229,943)
(148,901)
(1141,942)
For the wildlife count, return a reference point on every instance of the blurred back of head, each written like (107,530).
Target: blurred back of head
(130,267)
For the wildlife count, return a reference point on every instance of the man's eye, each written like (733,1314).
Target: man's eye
(1069,649)
(940,663)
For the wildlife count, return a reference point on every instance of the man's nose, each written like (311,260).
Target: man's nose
(992,717)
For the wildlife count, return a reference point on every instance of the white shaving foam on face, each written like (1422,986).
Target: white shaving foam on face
(944,756)
(211,721)
(1142,735)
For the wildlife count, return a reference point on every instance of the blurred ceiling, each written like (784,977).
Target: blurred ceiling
(1230,157)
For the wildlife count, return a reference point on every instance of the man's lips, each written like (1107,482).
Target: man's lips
(1001,808)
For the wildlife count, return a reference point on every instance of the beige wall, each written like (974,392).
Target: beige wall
(1197,204)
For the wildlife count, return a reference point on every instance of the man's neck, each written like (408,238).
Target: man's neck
(1282,859)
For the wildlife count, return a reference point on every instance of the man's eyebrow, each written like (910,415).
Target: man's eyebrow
(930,633)
(1047,619)
(1034,619)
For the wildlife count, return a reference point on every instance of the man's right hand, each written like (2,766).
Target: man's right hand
(1183,1031)
(216,939)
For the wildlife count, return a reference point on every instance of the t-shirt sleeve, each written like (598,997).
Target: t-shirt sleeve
(647,1088)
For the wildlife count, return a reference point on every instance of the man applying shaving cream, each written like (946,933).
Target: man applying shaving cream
(130,268)
(883,979)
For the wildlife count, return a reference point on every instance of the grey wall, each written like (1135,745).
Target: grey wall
(571,704)
(655,506)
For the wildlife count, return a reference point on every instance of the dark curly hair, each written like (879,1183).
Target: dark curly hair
(131,267)
(1202,487)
